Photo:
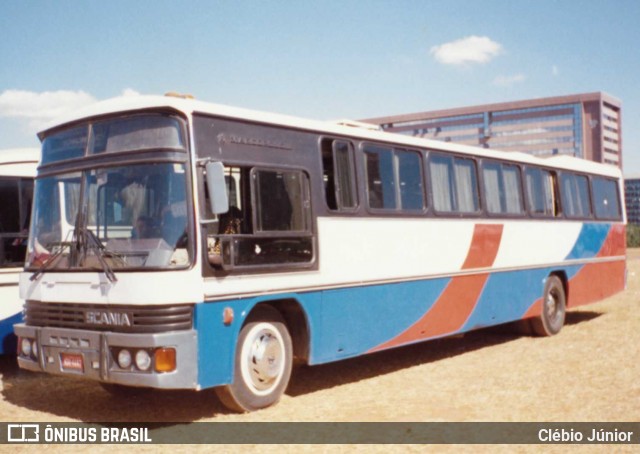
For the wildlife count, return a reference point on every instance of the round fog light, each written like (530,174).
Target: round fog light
(143,360)
(124,359)
(25,346)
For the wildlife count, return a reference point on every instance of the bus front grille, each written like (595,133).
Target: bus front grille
(115,318)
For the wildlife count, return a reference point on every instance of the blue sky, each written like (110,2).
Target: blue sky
(317,59)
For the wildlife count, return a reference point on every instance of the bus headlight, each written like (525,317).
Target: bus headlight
(143,360)
(25,346)
(124,359)
(34,349)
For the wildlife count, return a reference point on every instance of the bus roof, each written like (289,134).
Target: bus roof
(350,129)
(19,162)
(19,155)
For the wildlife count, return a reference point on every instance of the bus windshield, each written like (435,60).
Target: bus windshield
(131,133)
(135,217)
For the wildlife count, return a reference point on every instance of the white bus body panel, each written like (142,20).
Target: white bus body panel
(149,288)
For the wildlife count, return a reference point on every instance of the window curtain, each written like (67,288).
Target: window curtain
(440,183)
(492,188)
(582,192)
(570,196)
(343,175)
(512,190)
(547,190)
(466,186)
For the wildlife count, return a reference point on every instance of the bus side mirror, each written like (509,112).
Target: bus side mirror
(218,197)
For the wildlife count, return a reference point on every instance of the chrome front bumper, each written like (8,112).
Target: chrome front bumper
(95,348)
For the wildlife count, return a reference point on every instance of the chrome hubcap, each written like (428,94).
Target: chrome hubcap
(264,359)
(551,304)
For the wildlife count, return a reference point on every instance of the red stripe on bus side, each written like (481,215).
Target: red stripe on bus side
(449,313)
(616,242)
(484,246)
(595,281)
(534,310)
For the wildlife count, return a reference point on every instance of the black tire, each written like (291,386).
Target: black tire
(554,304)
(263,361)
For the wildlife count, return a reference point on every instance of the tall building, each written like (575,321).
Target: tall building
(585,125)
(632,198)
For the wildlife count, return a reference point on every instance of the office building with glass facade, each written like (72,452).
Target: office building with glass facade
(632,198)
(585,125)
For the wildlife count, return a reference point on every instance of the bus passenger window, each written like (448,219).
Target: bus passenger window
(16,195)
(410,175)
(575,195)
(502,188)
(281,204)
(606,199)
(280,230)
(454,184)
(540,192)
(381,185)
(394,179)
(235,221)
(442,183)
(339,175)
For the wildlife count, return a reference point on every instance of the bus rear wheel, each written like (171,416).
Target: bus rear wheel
(263,361)
(554,301)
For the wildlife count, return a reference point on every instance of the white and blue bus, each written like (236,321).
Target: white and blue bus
(186,245)
(17,171)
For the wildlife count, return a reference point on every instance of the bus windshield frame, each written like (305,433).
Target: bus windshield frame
(114,194)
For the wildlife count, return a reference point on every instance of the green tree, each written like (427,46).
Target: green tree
(633,235)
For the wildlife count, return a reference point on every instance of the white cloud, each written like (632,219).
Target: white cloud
(44,105)
(507,81)
(472,49)
(129,92)
(38,109)
(554,70)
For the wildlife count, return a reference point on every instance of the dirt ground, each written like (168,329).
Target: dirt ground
(588,372)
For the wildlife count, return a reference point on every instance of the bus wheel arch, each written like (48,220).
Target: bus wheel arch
(263,361)
(298,326)
(554,305)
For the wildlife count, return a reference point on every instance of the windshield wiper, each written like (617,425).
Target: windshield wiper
(91,241)
(85,239)
(50,261)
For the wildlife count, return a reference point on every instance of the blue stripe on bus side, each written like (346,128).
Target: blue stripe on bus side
(342,322)
(507,296)
(217,341)
(358,319)
(589,241)
(215,344)
(348,322)
(7,338)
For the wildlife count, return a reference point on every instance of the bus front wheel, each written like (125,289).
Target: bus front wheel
(263,362)
(554,301)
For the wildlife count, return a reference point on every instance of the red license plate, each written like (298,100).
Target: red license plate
(71,362)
